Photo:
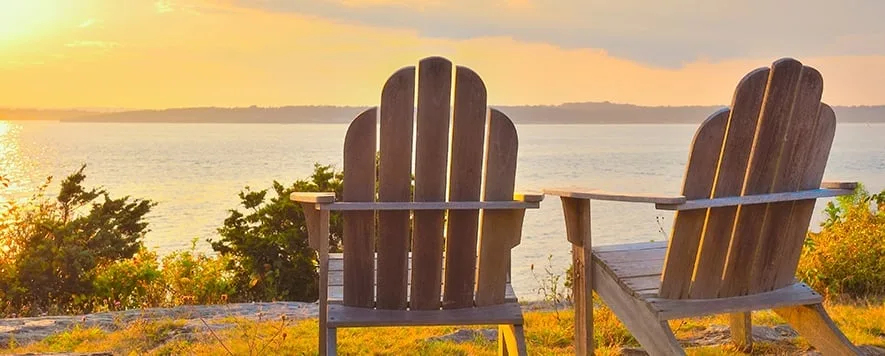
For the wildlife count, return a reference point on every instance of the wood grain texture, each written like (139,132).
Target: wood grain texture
(596,194)
(500,230)
(796,294)
(791,248)
(798,142)
(741,327)
(468,132)
(757,199)
(652,333)
(394,185)
(359,226)
(813,323)
(688,226)
(431,164)
(577,225)
(343,316)
(442,205)
(311,197)
(765,159)
(745,108)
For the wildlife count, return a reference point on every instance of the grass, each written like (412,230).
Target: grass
(547,333)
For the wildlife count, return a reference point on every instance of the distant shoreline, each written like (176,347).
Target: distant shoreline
(594,113)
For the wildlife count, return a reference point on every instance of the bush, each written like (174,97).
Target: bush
(192,277)
(53,248)
(270,258)
(848,256)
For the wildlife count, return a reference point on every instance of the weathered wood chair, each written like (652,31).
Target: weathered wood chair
(436,261)
(754,173)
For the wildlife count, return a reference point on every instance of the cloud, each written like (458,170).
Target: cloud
(93,44)
(87,23)
(163,6)
(667,34)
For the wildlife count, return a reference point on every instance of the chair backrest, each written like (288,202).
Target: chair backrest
(775,137)
(470,157)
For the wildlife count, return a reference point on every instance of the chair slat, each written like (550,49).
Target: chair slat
(795,156)
(468,125)
(689,225)
(763,167)
(794,237)
(746,106)
(500,229)
(394,184)
(431,163)
(359,226)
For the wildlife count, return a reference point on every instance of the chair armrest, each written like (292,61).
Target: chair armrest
(315,198)
(596,194)
(763,198)
(528,197)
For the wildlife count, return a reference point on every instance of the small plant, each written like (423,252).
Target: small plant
(552,286)
(847,257)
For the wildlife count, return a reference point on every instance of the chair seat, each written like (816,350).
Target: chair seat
(636,266)
(637,269)
(502,314)
(336,280)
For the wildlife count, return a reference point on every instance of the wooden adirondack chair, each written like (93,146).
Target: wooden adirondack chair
(433,273)
(754,173)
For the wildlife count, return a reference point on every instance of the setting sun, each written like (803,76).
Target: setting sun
(20,19)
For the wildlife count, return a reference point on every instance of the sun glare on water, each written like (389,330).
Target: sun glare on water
(20,19)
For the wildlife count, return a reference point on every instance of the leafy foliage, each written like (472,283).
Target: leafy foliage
(52,248)
(268,242)
(848,255)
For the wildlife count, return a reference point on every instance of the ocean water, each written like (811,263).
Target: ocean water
(195,171)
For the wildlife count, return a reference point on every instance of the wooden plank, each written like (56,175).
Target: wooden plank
(577,227)
(763,167)
(524,196)
(431,163)
(796,294)
(312,220)
(320,228)
(827,111)
(653,245)
(813,323)
(741,327)
(512,340)
(343,316)
(359,226)
(335,294)
(443,205)
(500,230)
(394,185)
(632,255)
(745,109)
(653,334)
(468,132)
(802,210)
(688,226)
(642,283)
(637,268)
(596,194)
(795,157)
(758,199)
(311,197)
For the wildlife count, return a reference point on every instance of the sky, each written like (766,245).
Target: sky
(182,53)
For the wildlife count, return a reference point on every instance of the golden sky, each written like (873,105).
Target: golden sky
(180,53)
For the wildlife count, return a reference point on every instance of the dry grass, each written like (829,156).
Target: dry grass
(548,333)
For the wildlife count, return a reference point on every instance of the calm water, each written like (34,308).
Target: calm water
(195,171)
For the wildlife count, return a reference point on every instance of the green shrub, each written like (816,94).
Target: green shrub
(130,283)
(52,248)
(192,277)
(268,244)
(847,257)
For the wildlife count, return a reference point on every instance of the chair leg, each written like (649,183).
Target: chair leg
(654,335)
(511,340)
(741,328)
(331,341)
(813,323)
